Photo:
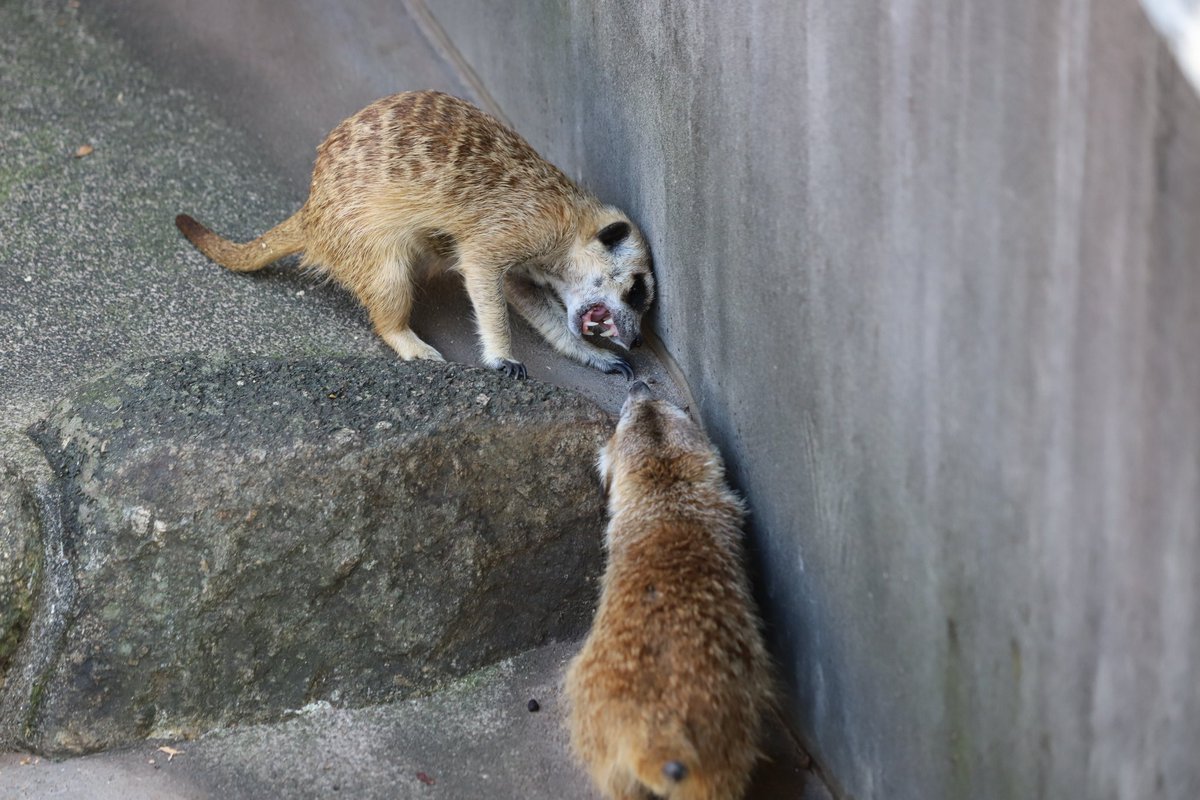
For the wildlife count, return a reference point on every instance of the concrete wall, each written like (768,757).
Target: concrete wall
(933,272)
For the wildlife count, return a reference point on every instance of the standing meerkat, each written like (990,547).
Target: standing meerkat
(669,691)
(424,172)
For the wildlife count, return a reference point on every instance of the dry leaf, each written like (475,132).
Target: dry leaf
(84,150)
(170,751)
(425,779)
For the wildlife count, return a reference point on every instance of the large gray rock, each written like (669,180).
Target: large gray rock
(248,537)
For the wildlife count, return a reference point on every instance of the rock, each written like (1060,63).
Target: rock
(250,537)
(20,561)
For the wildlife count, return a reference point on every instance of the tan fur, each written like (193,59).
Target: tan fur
(422,172)
(674,669)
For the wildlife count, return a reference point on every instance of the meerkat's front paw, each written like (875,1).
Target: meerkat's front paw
(513,369)
(621,366)
(613,364)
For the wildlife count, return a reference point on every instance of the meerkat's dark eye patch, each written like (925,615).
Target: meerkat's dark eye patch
(612,235)
(638,297)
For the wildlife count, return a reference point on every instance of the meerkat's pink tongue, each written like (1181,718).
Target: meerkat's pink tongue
(599,316)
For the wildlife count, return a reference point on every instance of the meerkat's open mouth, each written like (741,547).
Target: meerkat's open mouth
(598,321)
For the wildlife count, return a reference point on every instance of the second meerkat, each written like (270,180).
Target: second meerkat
(421,172)
(669,690)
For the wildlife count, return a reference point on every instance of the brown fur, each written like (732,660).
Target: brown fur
(423,172)
(674,671)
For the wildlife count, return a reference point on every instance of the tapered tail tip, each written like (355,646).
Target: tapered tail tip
(187,226)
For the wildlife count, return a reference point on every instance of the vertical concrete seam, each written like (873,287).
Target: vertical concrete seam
(440,41)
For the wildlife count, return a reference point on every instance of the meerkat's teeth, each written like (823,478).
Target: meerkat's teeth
(609,322)
(609,333)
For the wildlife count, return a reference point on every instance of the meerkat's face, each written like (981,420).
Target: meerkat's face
(609,284)
(655,443)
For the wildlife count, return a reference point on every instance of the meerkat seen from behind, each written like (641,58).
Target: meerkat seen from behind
(424,172)
(669,691)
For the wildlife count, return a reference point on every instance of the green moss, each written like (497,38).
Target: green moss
(36,695)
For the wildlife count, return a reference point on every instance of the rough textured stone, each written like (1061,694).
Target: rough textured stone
(248,537)
(20,561)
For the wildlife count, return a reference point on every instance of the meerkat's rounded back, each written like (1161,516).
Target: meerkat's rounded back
(668,693)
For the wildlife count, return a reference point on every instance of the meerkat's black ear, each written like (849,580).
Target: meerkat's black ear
(612,235)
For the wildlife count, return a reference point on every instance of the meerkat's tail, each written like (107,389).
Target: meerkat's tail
(282,240)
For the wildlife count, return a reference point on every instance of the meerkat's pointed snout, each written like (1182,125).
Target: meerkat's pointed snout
(640,390)
(638,393)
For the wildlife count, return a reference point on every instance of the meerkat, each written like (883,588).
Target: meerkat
(669,690)
(423,172)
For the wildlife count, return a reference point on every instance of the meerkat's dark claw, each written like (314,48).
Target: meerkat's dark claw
(513,369)
(621,366)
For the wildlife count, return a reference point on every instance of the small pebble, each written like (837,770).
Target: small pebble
(533,705)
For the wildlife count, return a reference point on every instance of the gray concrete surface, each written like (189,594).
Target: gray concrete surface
(474,739)
(931,271)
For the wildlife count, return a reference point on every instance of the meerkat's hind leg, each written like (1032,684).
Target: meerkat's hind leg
(541,309)
(388,296)
(409,346)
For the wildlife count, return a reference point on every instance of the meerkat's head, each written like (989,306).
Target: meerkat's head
(609,280)
(656,447)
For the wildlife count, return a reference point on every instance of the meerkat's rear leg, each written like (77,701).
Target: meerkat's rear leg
(539,306)
(388,296)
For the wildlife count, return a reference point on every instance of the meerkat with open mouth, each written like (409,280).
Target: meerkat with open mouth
(423,172)
(668,694)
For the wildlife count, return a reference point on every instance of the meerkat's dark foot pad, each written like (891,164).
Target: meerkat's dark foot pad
(513,369)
